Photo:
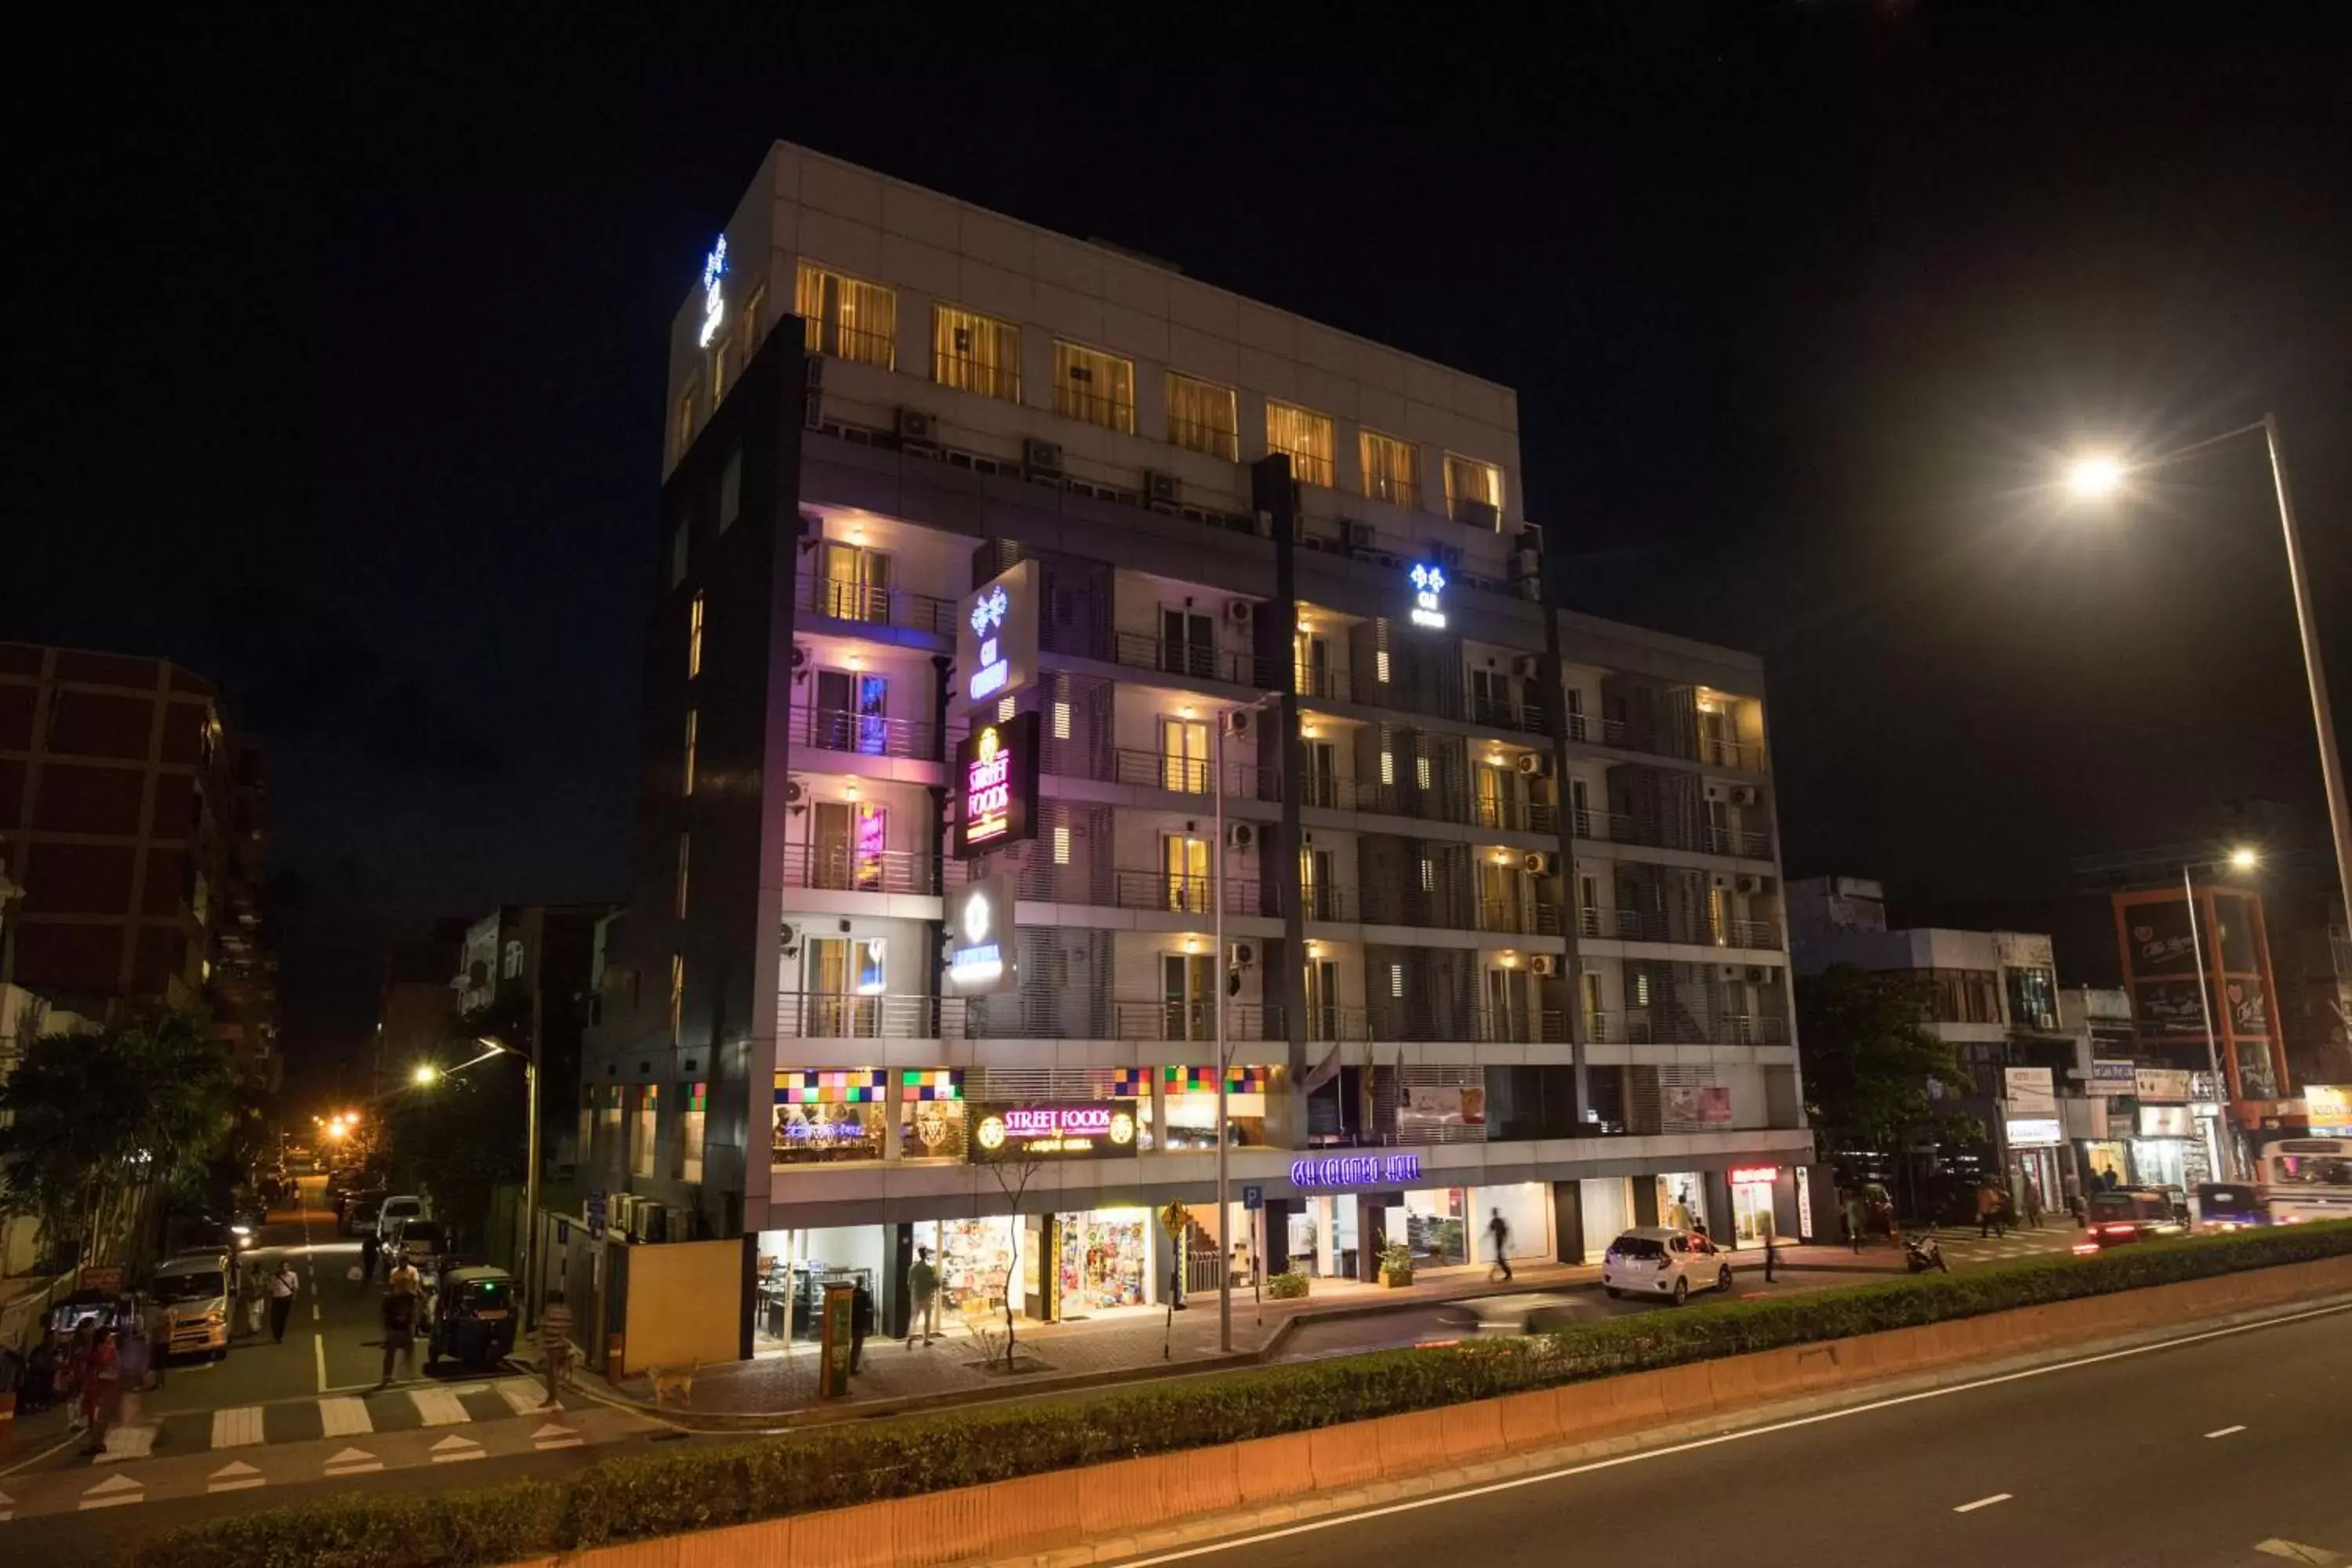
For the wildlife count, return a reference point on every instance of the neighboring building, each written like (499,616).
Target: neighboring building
(135,820)
(2225,1018)
(527,972)
(1501,882)
(2142,1114)
(416,1004)
(2312,958)
(1994,999)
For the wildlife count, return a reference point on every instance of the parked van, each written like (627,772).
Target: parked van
(198,1295)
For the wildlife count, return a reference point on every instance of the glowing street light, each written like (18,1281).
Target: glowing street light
(2095,477)
(2244,859)
(425,1075)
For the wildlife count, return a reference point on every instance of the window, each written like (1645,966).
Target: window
(719,371)
(1188,988)
(2032,999)
(1306,436)
(642,1127)
(694,638)
(1391,468)
(684,434)
(854,583)
(730,490)
(510,961)
(847,317)
(692,723)
(1061,721)
(1185,861)
(1061,844)
(677,997)
(1396,980)
(1096,387)
(684,844)
(1202,417)
(692,1106)
(1187,642)
(975,353)
(753,309)
(678,546)
(1474,492)
(1185,755)
(851,712)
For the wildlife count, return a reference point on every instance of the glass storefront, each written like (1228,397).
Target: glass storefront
(1322,1235)
(1526,1208)
(792,1269)
(2161,1161)
(1607,1204)
(1106,1260)
(1435,1224)
(1682,1200)
(1751,1205)
(2103,1163)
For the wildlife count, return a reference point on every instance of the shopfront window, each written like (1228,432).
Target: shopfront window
(828,1115)
(1751,1206)
(1191,1094)
(1434,1226)
(1322,1235)
(792,1269)
(931,1123)
(1526,1209)
(1682,1200)
(1106,1260)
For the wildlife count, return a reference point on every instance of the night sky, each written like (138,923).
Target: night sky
(344,378)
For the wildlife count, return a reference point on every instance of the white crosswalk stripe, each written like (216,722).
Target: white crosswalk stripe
(438,1407)
(345,1416)
(523,1398)
(235,1428)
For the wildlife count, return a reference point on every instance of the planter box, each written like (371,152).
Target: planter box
(1396,1280)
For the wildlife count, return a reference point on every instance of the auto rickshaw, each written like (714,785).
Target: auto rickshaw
(473,1317)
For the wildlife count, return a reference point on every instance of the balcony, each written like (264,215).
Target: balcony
(1650,925)
(876,606)
(1447,911)
(1654,1027)
(1504,814)
(1308,682)
(829,1016)
(1137,651)
(1160,770)
(1597,731)
(1166,893)
(1616,828)
(1519,718)
(1394,1020)
(838,870)
(1715,753)
(864,734)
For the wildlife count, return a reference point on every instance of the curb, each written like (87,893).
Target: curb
(1210,1528)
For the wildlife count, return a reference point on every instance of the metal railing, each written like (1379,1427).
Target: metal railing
(1518,917)
(1595,731)
(842,870)
(1171,893)
(868,734)
(877,606)
(1194,1022)
(1308,682)
(1616,827)
(1650,925)
(1508,814)
(1749,934)
(829,1014)
(1654,1028)
(1205,1272)
(1158,770)
(1484,1025)
(1331,902)
(1137,651)
(1743,754)
(1522,718)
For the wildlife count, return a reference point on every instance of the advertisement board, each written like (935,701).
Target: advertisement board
(1447,1106)
(996,637)
(1085,1130)
(1700,1104)
(2165,1121)
(2328,1106)
(2112,1079)
(2033,1131)
(2159,939)
(983,948)
(2170,1085)
(995,785)
(2028,1092)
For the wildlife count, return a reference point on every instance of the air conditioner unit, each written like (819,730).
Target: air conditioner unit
(1536,863)
(1526,665)
(1717,791)
(788,936)
(1744,794)
(1239,611)
(1240,834)
(1758,975)
(1238,722)
(1244,954)
(1542,964)
(1449,556)
(800,656)
(1535,764)
(1729,972)
(1750,885)
(1162,490)
(1360,534)
(795,792)
(915,425)
(1041,457)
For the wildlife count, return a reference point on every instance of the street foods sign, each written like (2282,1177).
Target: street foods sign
(983,958)
(1088,1130)
(996,637)
(997,785)
(1355,1171)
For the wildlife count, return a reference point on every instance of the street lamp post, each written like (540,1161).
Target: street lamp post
(1225,981)
(426,1074)
(2242,860)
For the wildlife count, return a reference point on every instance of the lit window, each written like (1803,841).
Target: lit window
(1391,468)
(1005,712)
(975,353)
(1306,436)
(1061,845)
(694,639)
(847,318)
(1396,979)
(510,961)
(1641,990)
(1474,491)
(1092,385)
(1428,874)
(682,857)
(1201,419)
(719,371)
(1061,721)
(1388,766)
(690,1117)
(684,423)
(692,724)
(753,309)
(1421,772)
(677,997)
(642,1131)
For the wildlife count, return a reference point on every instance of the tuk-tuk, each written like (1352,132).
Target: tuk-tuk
(473,1317)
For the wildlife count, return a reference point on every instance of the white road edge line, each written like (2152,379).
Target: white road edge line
(1415,1504)
(1984,1502)
(319,1351)
(2225,1431)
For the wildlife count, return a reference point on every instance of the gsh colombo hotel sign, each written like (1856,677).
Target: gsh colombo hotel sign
(997,785)
(1355,1170)
(996,637)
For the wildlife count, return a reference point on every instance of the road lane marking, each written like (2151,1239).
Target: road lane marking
(314,1312)
(2225,1431)
(2296,1551)
(554,1436)
(353,1462)
(1333,1522)
(112,1492)
(237,1426)
(1984,1502)
(235,1476)
(344,1416)
(523,1398)
(450,1450)
(319,1349)
(438,1407)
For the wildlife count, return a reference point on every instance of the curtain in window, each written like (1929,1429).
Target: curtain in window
(1391,468)
(1306,436)
(1471,484)
(846,317)
(1200,417)
(975,353)
(1096,387)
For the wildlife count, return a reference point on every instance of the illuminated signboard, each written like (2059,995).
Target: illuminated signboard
(996,637)
(714,305)
(984,957)
(1428,608)
(872,834)
(1355,1170)
(997,785)
(1090,1130)
(2033,1131)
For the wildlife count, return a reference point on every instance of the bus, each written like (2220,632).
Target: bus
(2307,1179)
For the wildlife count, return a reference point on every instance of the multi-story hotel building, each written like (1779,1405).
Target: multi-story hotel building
(1500,883)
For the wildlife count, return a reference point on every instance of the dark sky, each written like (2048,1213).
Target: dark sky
(343,379)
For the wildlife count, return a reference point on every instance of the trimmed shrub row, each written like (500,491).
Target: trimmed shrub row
(667,1492)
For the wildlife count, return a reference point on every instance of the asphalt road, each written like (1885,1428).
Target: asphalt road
(2192,1453)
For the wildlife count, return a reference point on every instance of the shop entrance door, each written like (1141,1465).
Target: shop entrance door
(829,846)
(1751,1210)
(1189,984)
(1322,1008)
(1508,1011)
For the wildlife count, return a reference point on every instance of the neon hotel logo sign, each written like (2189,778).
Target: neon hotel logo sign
(1355,1170)
(988,790)
(988,620)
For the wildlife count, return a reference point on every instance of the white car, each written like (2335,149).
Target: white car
(394,1215)
(1660,1261)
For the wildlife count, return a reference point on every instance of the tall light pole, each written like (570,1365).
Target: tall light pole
(1227,979)
(427,1074)
(2239,860)
(2098,477)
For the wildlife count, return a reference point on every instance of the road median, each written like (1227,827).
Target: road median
(951,1487)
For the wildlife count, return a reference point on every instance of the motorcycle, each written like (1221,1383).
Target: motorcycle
(1921,1253)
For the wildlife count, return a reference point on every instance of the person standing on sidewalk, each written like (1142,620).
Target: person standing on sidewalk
(2032,1206)
(369,1247)
(1772,1251)
(923,1294)
(283,1284)
(861,1323)
(1500,1229)
(555,1342)
(399,1331)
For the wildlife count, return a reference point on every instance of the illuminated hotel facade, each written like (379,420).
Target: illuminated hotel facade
(973,539)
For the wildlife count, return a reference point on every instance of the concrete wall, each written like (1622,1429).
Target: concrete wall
(684,1306)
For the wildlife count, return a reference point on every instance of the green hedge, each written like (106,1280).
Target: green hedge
(702,1487)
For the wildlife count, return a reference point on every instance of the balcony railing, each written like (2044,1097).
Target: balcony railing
(1650,925)
(1308,682)
(842,870)
(1722,754)
(1195,1022)
(1170,893)
(1518,917)
(826,1015)
(1655,1028)
(1137,651)
(877,606)
(1616,828)
(1508,814)
(1484,1025)
(1595,730)
(1749,934)
(866,734)
(1522,718)
(1331,902)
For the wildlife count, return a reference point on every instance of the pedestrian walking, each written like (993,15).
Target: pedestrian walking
(1854,1223)
(555,1342)
(1988,1208)
(861,1323)
(1500,1229)
(101,1389)
(402,1277)
(283,1285)
(923,1294)
(369,1247)
(73,1374)
(399,1332)
(2032,1206)
(1772,1253)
